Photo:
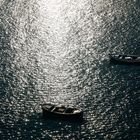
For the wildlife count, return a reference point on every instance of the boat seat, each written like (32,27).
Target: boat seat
(138,58)
(59,109)
(51,108)
(128,58)
(76,111)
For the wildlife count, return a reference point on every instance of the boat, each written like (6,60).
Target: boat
(125,59)
(62,112)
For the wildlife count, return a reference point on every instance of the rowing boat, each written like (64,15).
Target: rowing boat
(62,112)
(125,59)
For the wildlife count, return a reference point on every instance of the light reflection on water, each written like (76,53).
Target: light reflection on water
(57,51)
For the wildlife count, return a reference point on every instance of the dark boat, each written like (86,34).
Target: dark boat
(125,59)
(62,112)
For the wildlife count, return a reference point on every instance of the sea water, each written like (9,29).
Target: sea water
(57,51)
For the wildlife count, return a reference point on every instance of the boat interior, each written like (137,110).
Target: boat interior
(63,110)
(60,109)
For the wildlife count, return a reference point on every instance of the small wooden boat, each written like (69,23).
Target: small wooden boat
(125,59)
(62,112)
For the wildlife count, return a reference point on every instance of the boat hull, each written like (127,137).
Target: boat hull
(78,117)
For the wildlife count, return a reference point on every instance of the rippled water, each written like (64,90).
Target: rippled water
(57,51)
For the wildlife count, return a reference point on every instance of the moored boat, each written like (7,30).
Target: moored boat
(62,112)
(125,59)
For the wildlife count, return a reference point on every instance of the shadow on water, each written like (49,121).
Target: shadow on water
(36,127)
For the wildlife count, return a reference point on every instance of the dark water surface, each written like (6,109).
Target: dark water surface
(57,51)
